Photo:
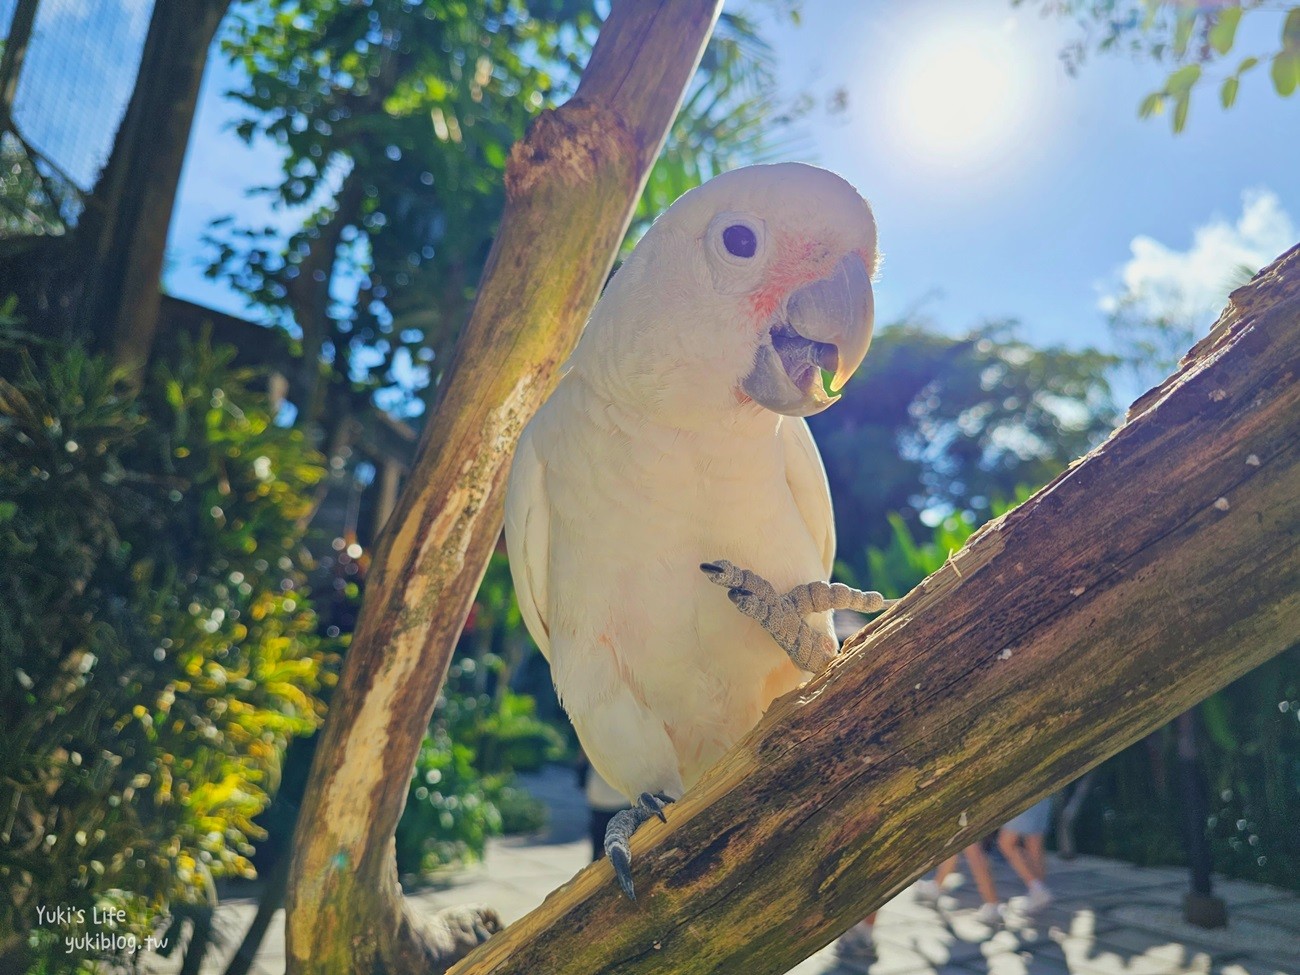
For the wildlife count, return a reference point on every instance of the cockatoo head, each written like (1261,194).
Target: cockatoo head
(739,296)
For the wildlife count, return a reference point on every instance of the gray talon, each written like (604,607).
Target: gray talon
(622,861)
(783,616)
(618,835)
(654,804)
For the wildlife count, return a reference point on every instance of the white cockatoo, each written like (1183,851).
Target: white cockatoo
(676,438)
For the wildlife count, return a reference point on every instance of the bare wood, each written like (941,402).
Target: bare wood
(571,187)
(1156,570)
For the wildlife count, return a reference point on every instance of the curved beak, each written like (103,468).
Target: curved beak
(827,325)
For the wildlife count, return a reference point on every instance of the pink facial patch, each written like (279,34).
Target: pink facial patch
(798,261)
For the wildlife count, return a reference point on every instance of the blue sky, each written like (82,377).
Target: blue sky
(1034,224)
(1035,210)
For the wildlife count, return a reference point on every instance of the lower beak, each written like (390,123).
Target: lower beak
(827,325)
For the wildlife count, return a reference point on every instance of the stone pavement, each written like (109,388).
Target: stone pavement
(1108,919)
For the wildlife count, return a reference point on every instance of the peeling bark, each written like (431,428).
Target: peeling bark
(572,186)
(1156,570)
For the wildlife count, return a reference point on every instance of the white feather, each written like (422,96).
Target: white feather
(644,463)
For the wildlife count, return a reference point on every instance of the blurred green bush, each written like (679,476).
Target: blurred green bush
(157,646)
(449,811)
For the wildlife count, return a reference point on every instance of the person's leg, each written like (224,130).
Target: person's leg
(944,869)
(1009,844)
(979,868)
(856,947)
(1039,894)
(1036,855)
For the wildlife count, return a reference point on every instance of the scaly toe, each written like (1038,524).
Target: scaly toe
(653,805)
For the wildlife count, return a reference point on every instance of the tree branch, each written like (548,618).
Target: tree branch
(571,187)
(1156,570)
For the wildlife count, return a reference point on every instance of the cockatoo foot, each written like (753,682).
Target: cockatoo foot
(620,829)
(783,616)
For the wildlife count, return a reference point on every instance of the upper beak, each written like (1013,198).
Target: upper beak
(838,310)
(827,326)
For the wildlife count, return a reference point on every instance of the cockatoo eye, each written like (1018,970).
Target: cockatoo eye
(740,241)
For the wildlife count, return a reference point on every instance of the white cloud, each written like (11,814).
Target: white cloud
(1191,286)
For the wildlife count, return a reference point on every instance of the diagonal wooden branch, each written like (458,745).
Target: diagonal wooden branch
(571,187)
(1156,570)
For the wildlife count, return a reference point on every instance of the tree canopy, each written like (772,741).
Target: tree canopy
(396,121)
(935,424)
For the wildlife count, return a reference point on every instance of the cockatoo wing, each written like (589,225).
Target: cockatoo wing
(806,477)
(528,538)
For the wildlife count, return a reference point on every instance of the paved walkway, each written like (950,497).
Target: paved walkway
(1109,918)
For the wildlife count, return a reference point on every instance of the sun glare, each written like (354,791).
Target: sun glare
(960,95)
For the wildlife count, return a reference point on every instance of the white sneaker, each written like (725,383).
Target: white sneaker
(855,950)
(1037,899)
(990,914)
(927,892)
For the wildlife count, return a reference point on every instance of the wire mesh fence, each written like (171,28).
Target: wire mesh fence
(73,81)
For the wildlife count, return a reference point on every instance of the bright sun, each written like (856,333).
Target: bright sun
(959,95)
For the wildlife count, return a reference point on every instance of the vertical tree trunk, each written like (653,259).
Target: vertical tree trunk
(123,232)
(1200,906)
(571,187)
(11,64)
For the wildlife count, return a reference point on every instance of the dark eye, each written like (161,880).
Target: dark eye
(739,240)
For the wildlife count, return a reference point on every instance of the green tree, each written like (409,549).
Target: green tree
(1197,40)
(939,424)
(396,123)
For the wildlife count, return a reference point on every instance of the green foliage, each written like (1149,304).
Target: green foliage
(460,792)
(1197,37)
(939,424)
(397,119)
(512,737)
(479,705)
(1252,750)
(157,649)
(520,812)
(898,567)
(449,811)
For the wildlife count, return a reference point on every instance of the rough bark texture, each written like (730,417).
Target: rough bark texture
(1154,571)
(572,185)
(123,233)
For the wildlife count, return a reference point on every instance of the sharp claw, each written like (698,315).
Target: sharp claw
(622,861)
(711,568)
(654,805)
